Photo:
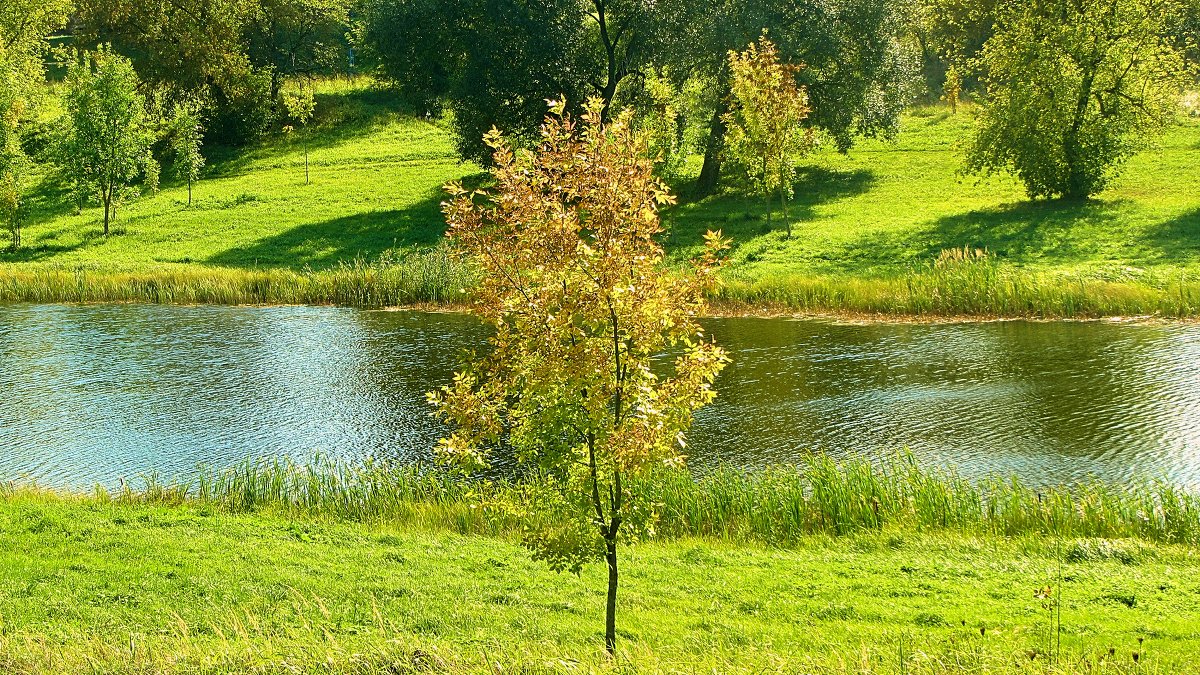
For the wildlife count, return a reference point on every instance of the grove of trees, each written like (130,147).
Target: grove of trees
(1065,89)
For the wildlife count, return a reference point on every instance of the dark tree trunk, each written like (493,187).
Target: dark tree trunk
(107,214)
(610,613)
(710,172)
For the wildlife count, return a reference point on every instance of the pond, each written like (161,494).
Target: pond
(94,394)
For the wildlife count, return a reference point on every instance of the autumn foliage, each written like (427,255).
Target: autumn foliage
(576,386)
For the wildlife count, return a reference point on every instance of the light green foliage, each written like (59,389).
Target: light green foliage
(660,114)
(300,104)
(108,133)
(186,135)
(573,282)
(952,88)
(1073,90)
(764,127)
(24,25)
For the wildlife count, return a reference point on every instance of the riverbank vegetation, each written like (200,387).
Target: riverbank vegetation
(260,569)
(866,241)
(360,186)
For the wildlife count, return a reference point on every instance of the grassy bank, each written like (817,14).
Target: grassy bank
(983,288)
(777,507)
(870,228)
(120,586)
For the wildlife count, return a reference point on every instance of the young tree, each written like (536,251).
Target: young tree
(108,133)
(764,126)
(186,137)
(24,25)
(575,287)
(299,104)
(14,165)
(1073,86)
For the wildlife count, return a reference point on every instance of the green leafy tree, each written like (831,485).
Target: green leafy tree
(237,54)
(1073,88)
(952,88)
(765,132)
(24,25)
(858,75)
(109,133)
(299,104)
(186,139)
(575,286)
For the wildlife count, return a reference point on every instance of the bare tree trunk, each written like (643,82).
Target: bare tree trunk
(189,190)
(107,212)
(610,613)
(783,202)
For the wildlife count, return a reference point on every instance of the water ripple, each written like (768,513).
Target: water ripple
(94,394)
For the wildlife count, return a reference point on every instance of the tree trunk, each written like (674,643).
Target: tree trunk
(610,615)
(783,203)
(710,172)
(107,212)
(189,191)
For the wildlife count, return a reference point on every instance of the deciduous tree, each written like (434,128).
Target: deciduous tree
(108,133)
(299,104)
(574,285)
(186,138)
(1073,87)
(765,132)
(24,27)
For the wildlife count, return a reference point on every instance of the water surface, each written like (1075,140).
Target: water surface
(93,394)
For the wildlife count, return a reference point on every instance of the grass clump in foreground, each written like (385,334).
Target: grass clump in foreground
(261,571)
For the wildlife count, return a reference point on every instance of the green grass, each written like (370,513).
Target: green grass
(778,506)
(102,586)
(869,226)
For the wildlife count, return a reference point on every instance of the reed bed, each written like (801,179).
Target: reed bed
(969,282)
(432,276)
(959,283)
(777,506)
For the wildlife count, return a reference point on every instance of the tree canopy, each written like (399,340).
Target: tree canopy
(574,284)
(1073,88)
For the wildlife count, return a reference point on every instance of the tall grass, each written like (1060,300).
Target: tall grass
(960,282)
(966,282)
(777,506)
(431,276)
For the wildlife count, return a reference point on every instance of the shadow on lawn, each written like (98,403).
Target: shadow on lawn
(741,214)
(1177,240)
(340,117)
(361,236)
(1046,230)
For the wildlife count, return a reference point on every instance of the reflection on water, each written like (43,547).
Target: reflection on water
(92,394)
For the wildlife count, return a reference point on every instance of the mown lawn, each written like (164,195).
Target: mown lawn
(886,206)
(98,586)
(868,226)
(376,177)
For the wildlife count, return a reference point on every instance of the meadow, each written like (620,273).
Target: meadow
(272,568)
(870,227)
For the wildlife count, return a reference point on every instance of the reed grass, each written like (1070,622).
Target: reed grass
(957,284)
(968,282)
(429,276)
(776,506)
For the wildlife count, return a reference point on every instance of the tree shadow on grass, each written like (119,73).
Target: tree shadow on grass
(340,117)
(360,236)
(1177,240)
(1032,231)
(741,213)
